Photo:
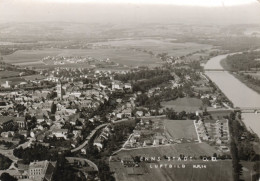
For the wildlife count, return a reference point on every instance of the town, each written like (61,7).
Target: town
(67,111)
(130,91)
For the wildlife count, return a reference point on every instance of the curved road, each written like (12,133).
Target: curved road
(93,133)
(91,164)
(88,138)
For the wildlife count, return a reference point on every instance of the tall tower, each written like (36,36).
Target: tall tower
(59,90)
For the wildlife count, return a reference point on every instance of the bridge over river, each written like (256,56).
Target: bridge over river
(255,110)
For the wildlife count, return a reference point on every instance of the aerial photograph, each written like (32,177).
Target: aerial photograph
(129,90)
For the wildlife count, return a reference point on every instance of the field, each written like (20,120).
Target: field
(4,74)
(183,104)
(121,56)
(181,129)
(192,149)
(158,45)
(220,170)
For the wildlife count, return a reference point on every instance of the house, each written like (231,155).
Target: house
(60,133)
(139,113)
(7,134)
(6,84)
(127,112)
(41,170)
(147,142)
(117,85)
(119,115)
(98,143)
(20,121)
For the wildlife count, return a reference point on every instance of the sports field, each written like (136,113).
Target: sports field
(178,129)
(192,149)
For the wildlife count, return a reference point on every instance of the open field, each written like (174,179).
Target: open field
(192,149)
(184,104)
(6,73)
(121,56)
(181,129)
(158,45)
(220,170)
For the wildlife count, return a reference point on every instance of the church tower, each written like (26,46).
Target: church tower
(59,90)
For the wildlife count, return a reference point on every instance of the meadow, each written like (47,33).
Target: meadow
(121,56)
(178,129)
(6,73)
(183,104)
(158,45)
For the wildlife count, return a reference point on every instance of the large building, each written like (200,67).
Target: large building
(41,170)
(6,123)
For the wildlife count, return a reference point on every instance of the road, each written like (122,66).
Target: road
(94,132)
(9,154)
(88,138)
(91,164)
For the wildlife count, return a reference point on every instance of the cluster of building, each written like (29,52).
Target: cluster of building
(61,60)
(214,131)
(147,133)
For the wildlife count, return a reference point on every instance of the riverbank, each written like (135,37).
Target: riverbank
(236,91)
(241,78)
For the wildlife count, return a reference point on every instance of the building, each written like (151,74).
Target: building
(6,84)
(6,123)
(21,123)
(41,170)
(60,133)
(59,90)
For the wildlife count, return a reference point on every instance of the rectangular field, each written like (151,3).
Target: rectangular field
(6,73)
(183,104)
(178,129)
(220,170)
(192,149)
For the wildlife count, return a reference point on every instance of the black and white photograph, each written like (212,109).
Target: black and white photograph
(129,90)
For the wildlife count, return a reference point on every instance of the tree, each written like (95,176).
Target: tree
(7,177)
(53,108)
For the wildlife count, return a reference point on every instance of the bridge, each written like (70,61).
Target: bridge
(248,109)
(214,70)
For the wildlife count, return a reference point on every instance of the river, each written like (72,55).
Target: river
(237,92)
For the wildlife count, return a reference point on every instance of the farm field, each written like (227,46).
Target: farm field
(158,45)
(183,104)
(6,73)
(121,56)
(192,149)
(178,129)
(220,170)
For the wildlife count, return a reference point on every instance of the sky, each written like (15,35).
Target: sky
(130,11)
